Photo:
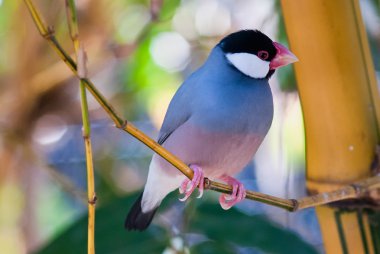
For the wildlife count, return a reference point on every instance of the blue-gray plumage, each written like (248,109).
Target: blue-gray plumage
(216,120)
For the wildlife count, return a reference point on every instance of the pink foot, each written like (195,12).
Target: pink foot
(238,193)
(188,186)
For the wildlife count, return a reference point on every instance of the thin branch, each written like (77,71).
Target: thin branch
(82,73)
(72,22)
(89,162)
(347,192)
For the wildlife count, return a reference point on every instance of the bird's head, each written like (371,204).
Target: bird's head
(255,54)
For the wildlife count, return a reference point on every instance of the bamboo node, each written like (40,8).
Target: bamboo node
(82,63)
(295,205)
(93,200)
(84,134)
(124,125)
(206,183)
(359,190)
(49,34)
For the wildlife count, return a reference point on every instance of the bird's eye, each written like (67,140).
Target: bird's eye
(263,55)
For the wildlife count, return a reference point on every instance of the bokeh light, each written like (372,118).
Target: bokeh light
(170,51)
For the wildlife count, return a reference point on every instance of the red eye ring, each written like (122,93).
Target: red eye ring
(263,55)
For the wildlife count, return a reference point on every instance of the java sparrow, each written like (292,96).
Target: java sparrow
(215,122)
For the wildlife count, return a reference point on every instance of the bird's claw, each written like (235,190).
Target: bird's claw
(238,193)
(188,186)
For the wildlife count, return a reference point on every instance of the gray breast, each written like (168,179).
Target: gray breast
(216,152)
(234,106)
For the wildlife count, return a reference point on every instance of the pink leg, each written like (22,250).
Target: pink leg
(238,192)
(188,186)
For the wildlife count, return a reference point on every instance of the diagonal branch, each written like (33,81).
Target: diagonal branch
(357,190)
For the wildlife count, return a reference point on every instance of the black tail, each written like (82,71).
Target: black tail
(137,219)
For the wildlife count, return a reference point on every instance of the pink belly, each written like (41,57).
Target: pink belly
(217,153)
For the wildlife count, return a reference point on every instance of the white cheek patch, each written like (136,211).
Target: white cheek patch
(249,64)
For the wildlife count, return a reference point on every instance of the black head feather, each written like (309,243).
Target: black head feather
(248,41)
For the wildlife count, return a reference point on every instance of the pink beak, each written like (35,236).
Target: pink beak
(283,57)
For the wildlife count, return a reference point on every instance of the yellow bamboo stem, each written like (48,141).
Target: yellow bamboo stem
(336,82)
(91,196)
(333,78)
(72,22)
(287,204)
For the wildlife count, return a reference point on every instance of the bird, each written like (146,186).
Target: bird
(215,122)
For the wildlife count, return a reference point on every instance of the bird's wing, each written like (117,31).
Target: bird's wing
(179,110)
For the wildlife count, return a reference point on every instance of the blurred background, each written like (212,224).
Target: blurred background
(139,53)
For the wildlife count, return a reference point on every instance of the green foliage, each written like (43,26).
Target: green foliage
(226,231)
(7,9)
(168,9)
(110,235)
(143,79)
(211,247)
(235,228)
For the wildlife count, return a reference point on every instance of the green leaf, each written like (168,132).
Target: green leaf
(226,231)
(110,235)
(168,9)
(240,229)
(211,247)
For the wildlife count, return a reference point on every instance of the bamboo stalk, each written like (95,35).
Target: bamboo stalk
(287,204)
(341,108)
(91,195)
(72,22)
